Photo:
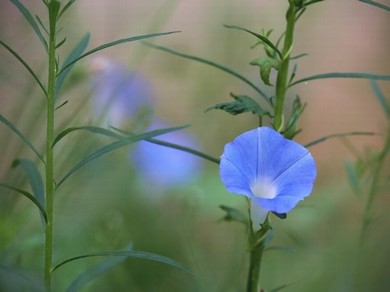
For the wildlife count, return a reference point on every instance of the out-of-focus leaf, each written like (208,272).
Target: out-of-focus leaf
(353,177)
(31,21)
(18,280)
(342,75)
(34,178)
(31,71)
(377,4)
(381,98)
(242,104)
(30,197)
(232,214)
(77,51)
(322,139)
(21,136)
(113,258)
(260,37)
(114,146)
(280,215)
(115,43)
(266,64)
(212,64)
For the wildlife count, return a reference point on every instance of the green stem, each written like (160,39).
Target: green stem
(256,249)
(255,257)
(281,80)
(52,71)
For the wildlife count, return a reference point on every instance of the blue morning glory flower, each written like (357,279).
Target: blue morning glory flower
(118,93)
(274,172)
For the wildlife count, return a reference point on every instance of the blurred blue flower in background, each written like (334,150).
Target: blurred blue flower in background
(118,93)
(167,167)
(118,96)
(274,172)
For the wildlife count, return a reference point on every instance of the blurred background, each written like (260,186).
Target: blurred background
(114,201)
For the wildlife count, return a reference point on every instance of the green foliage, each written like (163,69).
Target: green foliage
(14,129)
(233,214)
(31,21)
(242,104)
(266,64)
(34,178)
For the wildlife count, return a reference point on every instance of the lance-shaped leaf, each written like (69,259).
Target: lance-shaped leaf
(266,64)
(66,7)
(114,43)
(34,178)
(112,259)
(114,146)
(77,51)
(338,135)
(242,104)
(377,4)
(215,65)
(30,20)
(260,37)
(21,136)
(343,75)
(26,66)
(30,197)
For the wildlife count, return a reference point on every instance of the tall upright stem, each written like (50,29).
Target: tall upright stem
(53,7)
(281,80)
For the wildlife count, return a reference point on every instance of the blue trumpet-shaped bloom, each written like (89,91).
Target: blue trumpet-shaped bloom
(274,172)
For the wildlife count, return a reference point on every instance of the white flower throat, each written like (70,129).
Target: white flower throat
(264,188)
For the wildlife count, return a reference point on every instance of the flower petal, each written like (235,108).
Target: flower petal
(276,173)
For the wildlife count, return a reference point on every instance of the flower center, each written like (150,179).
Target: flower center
(264,189)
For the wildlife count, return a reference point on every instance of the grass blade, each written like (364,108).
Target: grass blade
(343,75)
(320,140)
(114,43)
(31,71)
(31,21)
(114,146)
(77,51)
(34,178)
(381,98)
(212,64)
(30,197)
(260,37)
(21,136)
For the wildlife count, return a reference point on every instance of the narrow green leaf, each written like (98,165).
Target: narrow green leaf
(98,130)
(212,64)
(66,7)
(242,104)
(320,140)
(94,272)
(42,25)
(376,4)
(175,146)
(77,51)
(30,20)
(34,178)
(260,37)
(232,214)
(20,59)
(381,98)
(114,146)
(343,75)
(21,136)
(281,287)
(126,253)
(114,43)
(61,43)
(30,197)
